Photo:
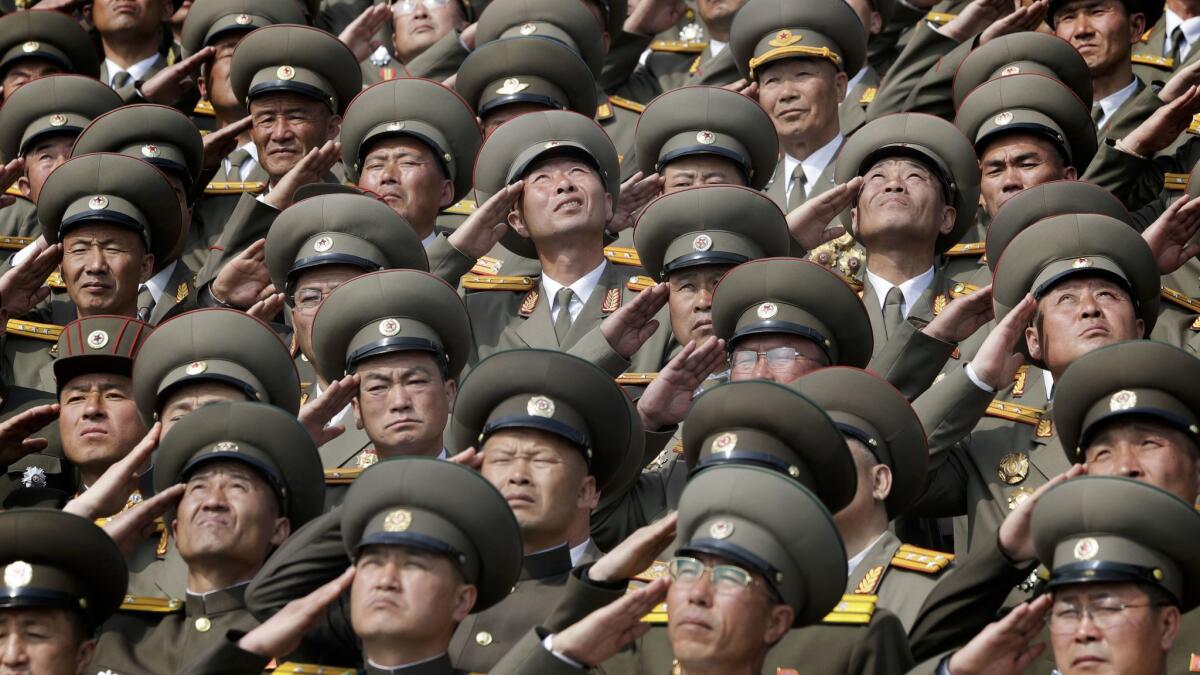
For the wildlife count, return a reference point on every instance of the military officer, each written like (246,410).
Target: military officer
(63,577)
(426,41)
(133,42)
(34,45)
(862,86)
(1166,46)
(252,475)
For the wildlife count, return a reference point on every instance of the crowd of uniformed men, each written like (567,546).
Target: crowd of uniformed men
(716,337)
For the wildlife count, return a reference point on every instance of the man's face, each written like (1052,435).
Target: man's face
(726,626)
(99,422)
(130,17)
(690,301)
(191,397)
(1016,162)
(718,13)
(229,515)
(404,594)
(542,477)
(801,96)
(1148,450)
(808,358)
(901,203)
(404,172)
(24,71)
(1102,31)
(102,266)
(498,116)
(315,282)
(1136,643)
(42,641)
(1078,315)
(695,170)
(43,157)
(562,196)
(403,402)
(414,32)
(286,126)
(216,85)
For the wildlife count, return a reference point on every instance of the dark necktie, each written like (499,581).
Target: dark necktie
(892,316)
(562,325)
(121,80)
(797,196)
(145,301)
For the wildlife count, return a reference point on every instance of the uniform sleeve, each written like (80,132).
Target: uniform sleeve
(582,597)
(911,360)
(251,220)
(440,60)
(883,649)
(224,657)
(530,657)
(446,262)
(921,55)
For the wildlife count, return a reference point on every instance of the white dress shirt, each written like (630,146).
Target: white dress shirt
(578,551)
(1110,103)
(582,288)
(1191,33)
(137,71)
(911,289)
(158,283)
(857,559)
(814,165)
(248,165)
(716,47)
(427,241)
(862,72)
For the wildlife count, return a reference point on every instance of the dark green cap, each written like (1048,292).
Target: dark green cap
(158,134)
(709,225)
(269,439)
(98,344)
(789,295)
(536,70)
(567,22)
(771,525)
(391,311)
(215,345)
(210,19)
(442,508)
(55,105)
(557,393)
(771,30)
(420,109)
(771,426)
(48,35)
(869,409)
(1099,529)
(708,121)
(1024,53)
(297,59)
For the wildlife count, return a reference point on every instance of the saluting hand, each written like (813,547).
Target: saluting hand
(601,634)
(310,169)
(483,229)
(359,36)
(668,398)
(1005,647)
(281,634)
(997,359)
(1015,537)
(168,86)
(244,281)
(636,553)
(315,414)
(218,144)
(637,191)
(24,286)
(112,489)
(1164,126)
(628,328)
(809,222)
(962,317)
(1170,236)
(9,173)
(15,442)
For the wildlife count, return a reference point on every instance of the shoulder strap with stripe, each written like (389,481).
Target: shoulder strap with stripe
(1015,412)
(479,282)
(854,610)
(677,46)
(922,560)
(1181,300)
(235,187)
(133,603)
(620,255)
(972,248)
(32,329)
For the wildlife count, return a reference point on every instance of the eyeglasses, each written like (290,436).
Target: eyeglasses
(726,579)
(778,359)
(1066,619)
(309,299)
(405,7)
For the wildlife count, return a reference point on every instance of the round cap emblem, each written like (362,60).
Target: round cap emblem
(31,46)
(18,574)
(397,521)
(528,29)
(1003,118)
(389,327)
(767,310)
(242,19)
(512,86)
(540,406)
(98,202)
(196,367)
(150,151)
(323,244)
(725,442)
(1122,400)
(395,126)
(33,477)
(1011,70)
(722,529)
(551,144)
(706,137)
(226,446)
(285,72)
(702,242)
(1082,262)
(57,120)
(1086,548)
(97,339)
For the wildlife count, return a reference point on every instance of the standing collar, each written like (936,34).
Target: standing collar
(548,563)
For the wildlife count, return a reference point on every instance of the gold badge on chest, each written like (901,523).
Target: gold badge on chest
(1018,497)
(1014,467)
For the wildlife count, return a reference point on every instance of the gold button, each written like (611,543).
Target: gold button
(483,638)
(203,624)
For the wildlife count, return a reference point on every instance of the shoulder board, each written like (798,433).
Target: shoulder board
(1179,299)
(235,187)
(636,378)
(342,475)
(868,96)
(55,280)
(312,669)
(33,329)
(657,616)
(479,282)
(921,559)
(973,248)
(14,191)
(640,283)
(204,109)
(603,112)
(1164,62)
(133,603)
(14,243)
(622,256)
(940,18)
(487,266)
(960,289)
(626,104)
(853,610)
(678,47)
(655,571)
(1015,412)
(464,207)
(1176,181)
(1193,129)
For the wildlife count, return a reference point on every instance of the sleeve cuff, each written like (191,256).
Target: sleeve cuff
(547,643)
(976,381)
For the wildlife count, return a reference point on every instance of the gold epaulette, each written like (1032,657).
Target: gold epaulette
(853,609)
(133,603)
(221,187)
(921,559)
(464,207)
(1164,62)
(32,329)
(940,18)
(342,475)
(55,281)
(1015,412)
(603,112)
(960,289)
(655,571)
(640,283)
(1176,181)
(1179,299)
(14,191)
(868,95)
(973,248)
(619,255)
(204,109)
(627,104)
(480,282)
(657,616)
(677,46)
(312,669)
(487,266)
(635,379)
(15,243)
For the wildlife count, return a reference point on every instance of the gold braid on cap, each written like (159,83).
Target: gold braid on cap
(819,52)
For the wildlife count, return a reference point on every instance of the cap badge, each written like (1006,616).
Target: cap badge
(528,29)
(323,244)
(98,202)
(1122,400)
(1082,262)
(706,137)
(785,38)
(33,477)
(1086,548)
(1014,467)
(540,406)
(226,446)
(702,242)
(725,442)
(512,86)
(395,126)
(242,19)
(1003,118)
(1010,70)
(196,367)
(57,120)
(767,310)
(389,327)
(551,144)
(721,529)
(150,151)
(97,339)
(397,521)
(18,574)
(31,46)
(285,72)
